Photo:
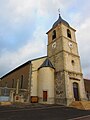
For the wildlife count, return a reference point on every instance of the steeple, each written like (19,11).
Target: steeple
(60,20)
(63,53)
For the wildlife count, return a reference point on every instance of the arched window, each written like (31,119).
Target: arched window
(53,34)
(75,85)
(68,33)
(21,82)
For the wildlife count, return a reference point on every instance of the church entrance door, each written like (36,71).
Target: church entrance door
(75,91)
(44,96)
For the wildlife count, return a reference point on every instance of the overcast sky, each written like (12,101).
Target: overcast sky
(23,27)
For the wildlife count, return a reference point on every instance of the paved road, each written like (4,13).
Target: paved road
(41,113)
(87,117)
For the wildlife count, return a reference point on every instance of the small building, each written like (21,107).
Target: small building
(87,88)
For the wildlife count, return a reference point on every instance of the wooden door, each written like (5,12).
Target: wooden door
(44,95)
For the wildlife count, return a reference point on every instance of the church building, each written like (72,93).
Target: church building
(53,79)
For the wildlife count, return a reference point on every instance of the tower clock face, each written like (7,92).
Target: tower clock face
(70,44)
(54,45)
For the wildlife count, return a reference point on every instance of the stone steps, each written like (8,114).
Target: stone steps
(84,105)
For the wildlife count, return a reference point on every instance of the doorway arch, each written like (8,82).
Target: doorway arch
(76,91)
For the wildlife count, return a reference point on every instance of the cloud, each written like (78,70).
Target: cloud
(23,24)
(83,38)
(33,48)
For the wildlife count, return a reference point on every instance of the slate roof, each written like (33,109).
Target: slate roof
(60,20)
(46,63)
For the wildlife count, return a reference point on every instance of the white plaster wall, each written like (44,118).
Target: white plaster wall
(46,83)
(35,65)
(34,84)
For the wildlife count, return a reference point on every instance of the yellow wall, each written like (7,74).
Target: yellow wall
(46,83)
(35,65)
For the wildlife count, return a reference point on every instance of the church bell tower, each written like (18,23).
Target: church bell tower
(62,51)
